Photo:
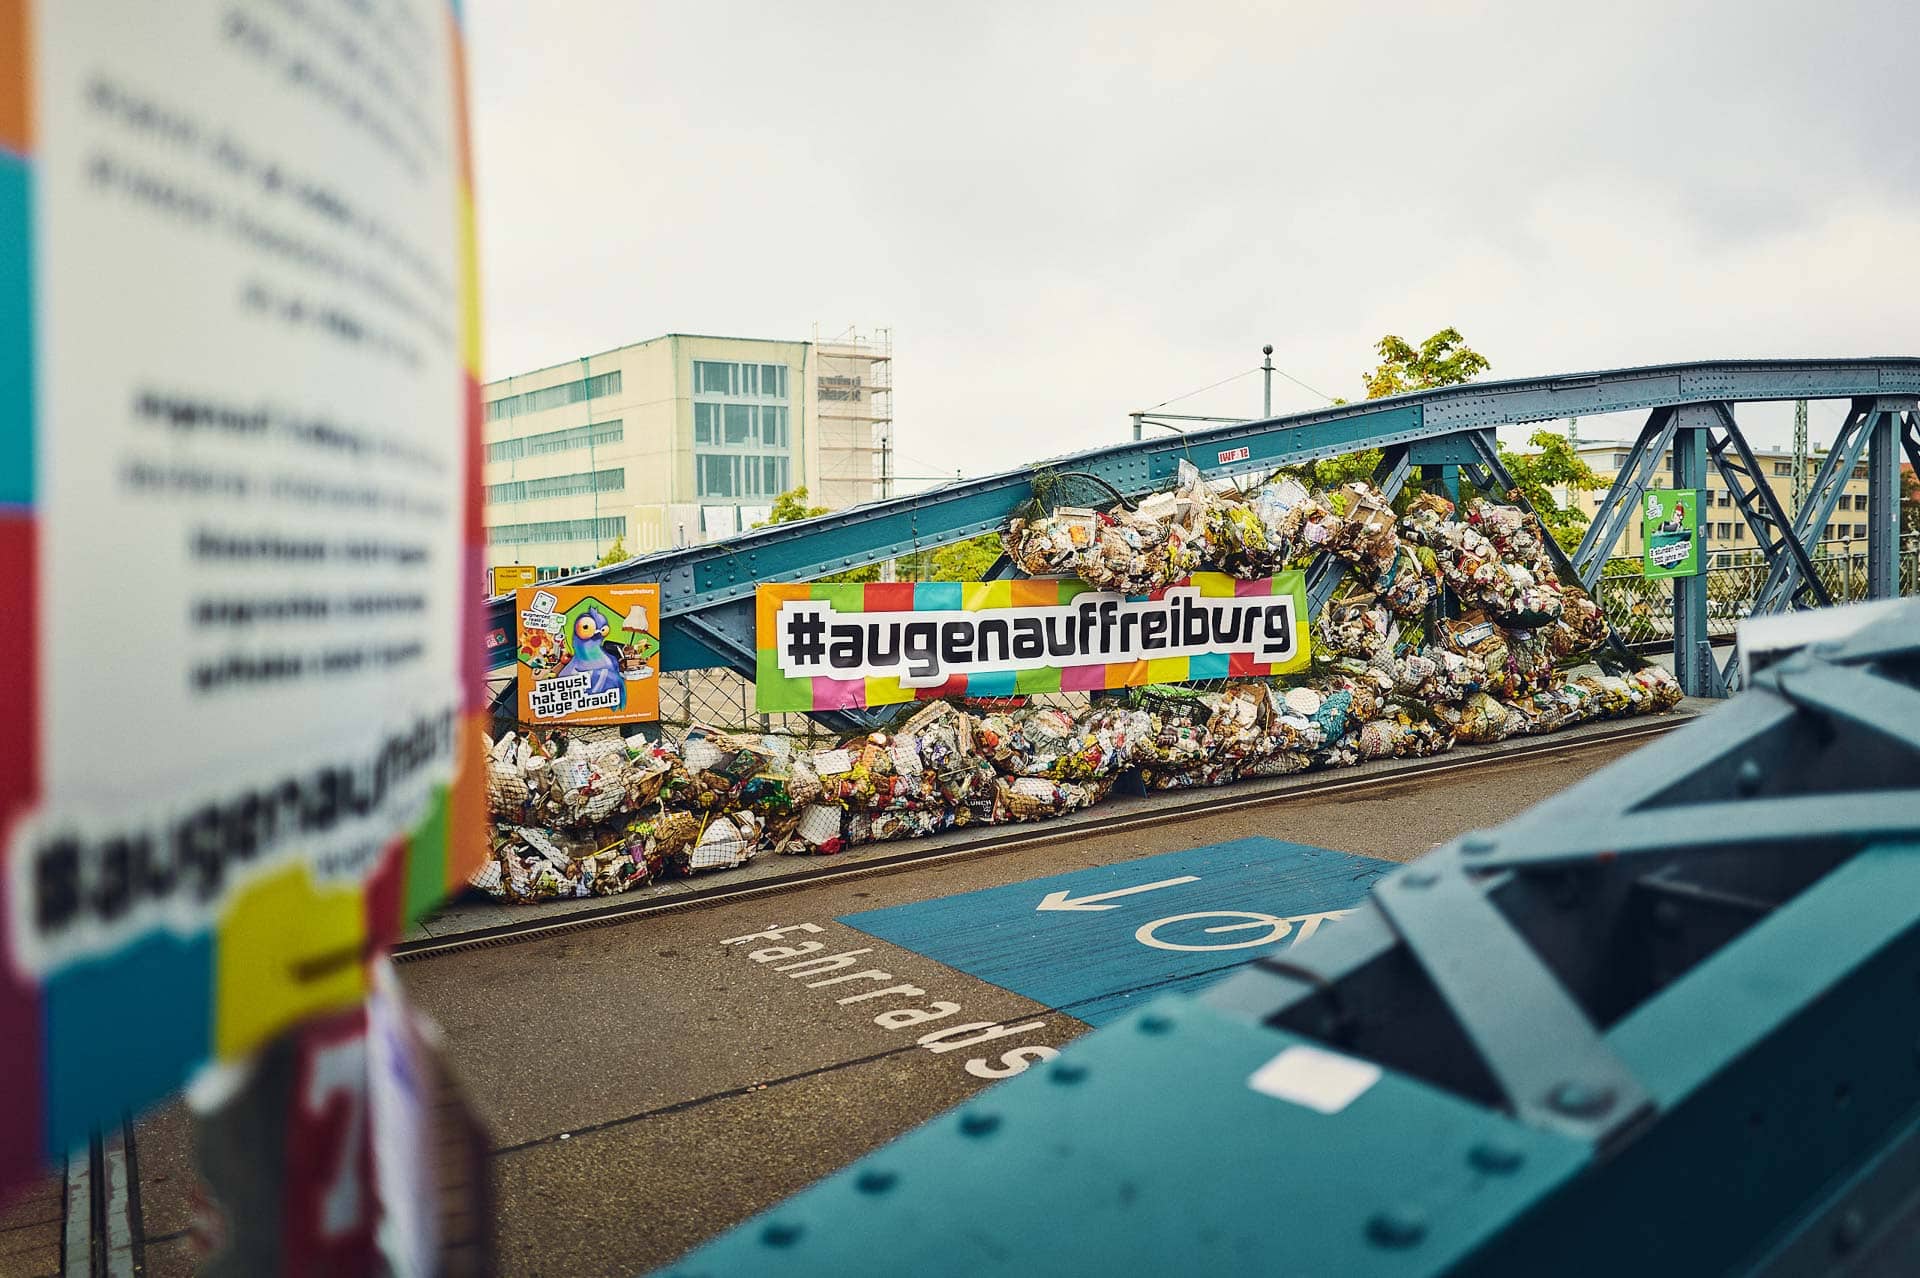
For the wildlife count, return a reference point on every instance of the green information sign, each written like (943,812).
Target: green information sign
(1672,526)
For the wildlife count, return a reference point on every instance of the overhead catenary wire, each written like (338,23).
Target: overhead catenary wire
(1236,377)
(1190,394)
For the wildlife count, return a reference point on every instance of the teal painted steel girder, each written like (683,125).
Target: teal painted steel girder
(701,577)
(1689,1053)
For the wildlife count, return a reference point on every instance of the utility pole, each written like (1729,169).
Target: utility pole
(889,571)
(1800,481)
(1266,401)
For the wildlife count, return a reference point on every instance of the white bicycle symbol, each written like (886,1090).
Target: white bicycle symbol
(1274,927)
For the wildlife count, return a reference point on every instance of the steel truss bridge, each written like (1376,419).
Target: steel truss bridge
(1662,1023)
(707,591)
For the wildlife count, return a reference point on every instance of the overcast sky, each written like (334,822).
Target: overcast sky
(1065,213)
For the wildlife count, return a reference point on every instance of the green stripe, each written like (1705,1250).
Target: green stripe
(427,859)
(1026,682)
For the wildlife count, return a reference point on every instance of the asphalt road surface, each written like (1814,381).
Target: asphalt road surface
(653,1082)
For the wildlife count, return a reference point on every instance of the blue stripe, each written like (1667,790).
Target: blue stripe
(996,683)
(937,596)
(16,332)
(1209,665)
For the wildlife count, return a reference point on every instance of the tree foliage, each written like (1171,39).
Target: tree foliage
(616,553)
(1444,359)
(789,506)
(1553,466)
(966,560)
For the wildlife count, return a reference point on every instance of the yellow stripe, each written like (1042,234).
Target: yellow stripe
(469,286)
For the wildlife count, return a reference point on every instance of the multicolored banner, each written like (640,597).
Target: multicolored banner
(239,529)
(589,654)
(828,646)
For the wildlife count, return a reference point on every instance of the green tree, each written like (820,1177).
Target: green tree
(616,553)
(1444,359)
(1553,465)
(966,560)
(789,506)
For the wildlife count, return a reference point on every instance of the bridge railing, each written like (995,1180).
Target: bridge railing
(1641,611)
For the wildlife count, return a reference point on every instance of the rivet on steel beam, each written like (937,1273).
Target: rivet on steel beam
(875,1180)
(1496,1157)
(1067,1072)
(1747,777)
(978,1123)
(1578,1100)
(781,1233)
(1154,1023)
(1478,843)
(1397,1227)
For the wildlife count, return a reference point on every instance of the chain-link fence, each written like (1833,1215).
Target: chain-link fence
(1641,611)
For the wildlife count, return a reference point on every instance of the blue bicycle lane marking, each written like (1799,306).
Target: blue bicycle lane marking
(1096,942)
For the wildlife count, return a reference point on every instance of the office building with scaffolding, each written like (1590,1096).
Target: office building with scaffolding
(679,440)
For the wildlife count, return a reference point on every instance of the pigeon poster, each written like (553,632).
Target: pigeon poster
(588,654)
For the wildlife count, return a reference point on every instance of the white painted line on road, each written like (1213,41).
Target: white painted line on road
(119,1247)
(79,1239)
(1061,901)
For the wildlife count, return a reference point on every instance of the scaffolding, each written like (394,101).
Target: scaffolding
(853,409)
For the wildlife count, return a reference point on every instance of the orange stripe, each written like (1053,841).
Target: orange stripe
(467,804)
(16,84)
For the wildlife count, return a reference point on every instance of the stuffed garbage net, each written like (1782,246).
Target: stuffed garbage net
(586,812)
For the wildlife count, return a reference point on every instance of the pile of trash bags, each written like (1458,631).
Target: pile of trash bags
(590,813)
(594,814)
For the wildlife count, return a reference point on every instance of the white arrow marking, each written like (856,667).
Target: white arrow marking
(1061,901)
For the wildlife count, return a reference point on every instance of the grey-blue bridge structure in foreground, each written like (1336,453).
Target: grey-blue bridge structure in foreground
(707,591)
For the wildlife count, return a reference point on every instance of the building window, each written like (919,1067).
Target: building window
(739,475)
(740,425)
(752,381)
(1859,530)
(556,441)
(715,476)
(1726,498)
(1739,532)
(587,481)
(1619,460)
(554,396)
(1860,471)
(603,529)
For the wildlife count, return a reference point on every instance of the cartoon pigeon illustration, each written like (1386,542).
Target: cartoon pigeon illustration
(590,656)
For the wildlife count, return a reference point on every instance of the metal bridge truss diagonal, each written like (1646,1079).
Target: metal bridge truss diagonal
(1661,1023)
(707,590)
(1669,961)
